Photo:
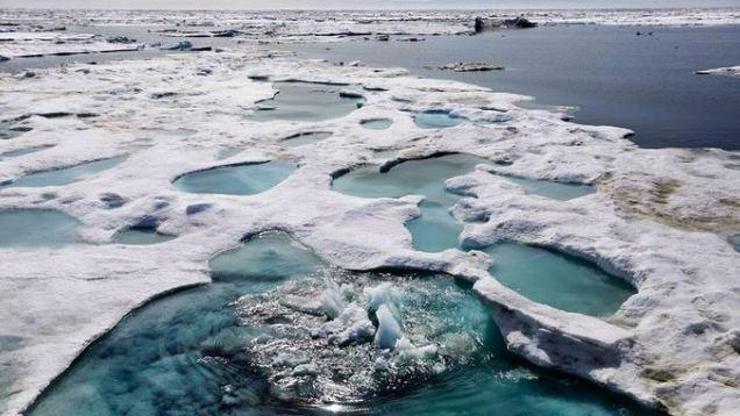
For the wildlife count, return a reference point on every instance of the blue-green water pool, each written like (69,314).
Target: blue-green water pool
(141,236)
(436,119)
(304,101)
(558,280)
(65,176)
(243,179)
(377,123)
(184,354)
(29,228)
(301,139)
(23,151)
(436,229)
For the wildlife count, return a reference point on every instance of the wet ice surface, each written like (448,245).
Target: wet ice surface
(551,189)
(303,101)
(558,280)
(376,123)
(65,176)
(141,236)
(266,338)
(244,179)
(735,242)
(436,119)
(436,229)
(23,151)
(31,228)
(301,139)
(10,129)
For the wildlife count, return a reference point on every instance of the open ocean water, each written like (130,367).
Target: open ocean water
(646,83)
(615,77)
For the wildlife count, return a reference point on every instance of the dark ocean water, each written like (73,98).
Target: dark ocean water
(645,83)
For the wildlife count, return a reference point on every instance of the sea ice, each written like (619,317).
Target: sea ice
(659,219)
(388,329)
(730,71)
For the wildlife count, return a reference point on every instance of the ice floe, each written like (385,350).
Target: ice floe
(730,71)
(37,44)
(660,219)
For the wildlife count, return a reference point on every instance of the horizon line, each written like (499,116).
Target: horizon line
(258,9)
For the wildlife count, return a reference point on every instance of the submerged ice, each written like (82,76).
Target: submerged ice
(376,123)
(242,179)
(436,119)
(33,228)
(558,280)
(303,101)
(67,175)
(300,139)
(141,236)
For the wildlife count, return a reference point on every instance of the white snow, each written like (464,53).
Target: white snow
(34,44)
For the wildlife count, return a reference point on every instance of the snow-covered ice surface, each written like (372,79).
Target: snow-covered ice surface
(639,17)
(661,219)
(43,43)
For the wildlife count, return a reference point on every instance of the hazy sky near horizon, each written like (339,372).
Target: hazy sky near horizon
(361,4)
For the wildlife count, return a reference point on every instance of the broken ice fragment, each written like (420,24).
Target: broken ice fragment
(388,329)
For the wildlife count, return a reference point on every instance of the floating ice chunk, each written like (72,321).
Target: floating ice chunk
(409,350)
(408,353)
(732,71)
(378,295)
(388,329)
(180,46)
(332,302)
(352,326)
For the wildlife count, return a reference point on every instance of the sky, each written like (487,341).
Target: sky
(361,4)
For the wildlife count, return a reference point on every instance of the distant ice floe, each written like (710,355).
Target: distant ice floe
(269,25)
(34,33)
(729,71)
(57,43)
